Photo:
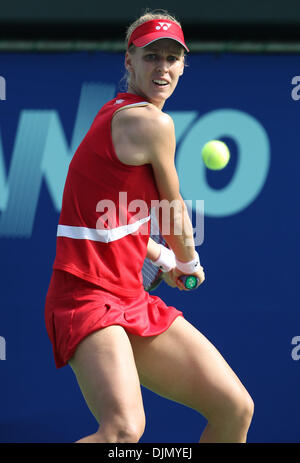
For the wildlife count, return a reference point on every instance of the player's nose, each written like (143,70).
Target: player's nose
(162,65)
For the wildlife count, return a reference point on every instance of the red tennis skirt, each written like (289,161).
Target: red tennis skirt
(76,308)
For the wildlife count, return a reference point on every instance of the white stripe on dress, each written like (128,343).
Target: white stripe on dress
(94,234)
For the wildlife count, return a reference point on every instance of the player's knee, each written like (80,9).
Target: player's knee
(239,411)
(247,409)
(124,429)
(130,434)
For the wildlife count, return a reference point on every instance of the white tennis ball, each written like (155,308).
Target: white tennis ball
(215,155)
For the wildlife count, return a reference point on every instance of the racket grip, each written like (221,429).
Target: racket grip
(189,281)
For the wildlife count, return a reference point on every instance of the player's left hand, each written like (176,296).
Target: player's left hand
(167,277)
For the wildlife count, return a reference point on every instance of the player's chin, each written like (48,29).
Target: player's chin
(161,94)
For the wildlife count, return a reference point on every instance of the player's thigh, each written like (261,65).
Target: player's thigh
(106,373)
(182,365)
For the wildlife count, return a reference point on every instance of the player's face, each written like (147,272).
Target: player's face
(155,70)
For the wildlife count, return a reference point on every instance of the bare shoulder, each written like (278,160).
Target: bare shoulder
(146,118)
(137,131)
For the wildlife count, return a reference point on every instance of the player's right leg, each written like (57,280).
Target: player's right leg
(106,373)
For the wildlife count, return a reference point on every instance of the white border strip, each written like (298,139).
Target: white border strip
(133,105)
(94,234)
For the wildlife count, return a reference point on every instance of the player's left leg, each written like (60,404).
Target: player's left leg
(182,365)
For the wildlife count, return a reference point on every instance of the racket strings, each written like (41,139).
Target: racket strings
(152,275)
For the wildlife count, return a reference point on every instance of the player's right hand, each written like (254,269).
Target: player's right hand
(175,273)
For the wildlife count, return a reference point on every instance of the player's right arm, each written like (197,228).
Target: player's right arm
(145,135)
(159,145)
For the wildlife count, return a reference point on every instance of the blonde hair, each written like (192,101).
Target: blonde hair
(148,16)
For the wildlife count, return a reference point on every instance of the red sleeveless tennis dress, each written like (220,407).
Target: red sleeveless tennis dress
(101,245)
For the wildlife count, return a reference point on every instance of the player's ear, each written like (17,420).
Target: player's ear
(128,61)
(182,68)
(182,65)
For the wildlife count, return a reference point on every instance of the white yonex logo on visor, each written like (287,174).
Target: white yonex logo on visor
(164,26)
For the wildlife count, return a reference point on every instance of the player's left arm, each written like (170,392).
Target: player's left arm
(153,252)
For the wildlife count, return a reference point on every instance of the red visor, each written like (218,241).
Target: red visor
(156,29)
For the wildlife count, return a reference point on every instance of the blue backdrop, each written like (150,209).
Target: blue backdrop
(248,306)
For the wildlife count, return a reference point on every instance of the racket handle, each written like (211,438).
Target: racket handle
(189,281)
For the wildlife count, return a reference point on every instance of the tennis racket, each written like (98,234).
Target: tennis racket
(153,275)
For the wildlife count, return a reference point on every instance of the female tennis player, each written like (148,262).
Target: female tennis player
(101,321)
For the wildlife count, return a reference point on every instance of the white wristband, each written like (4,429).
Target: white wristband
(166,260)
(189,267)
